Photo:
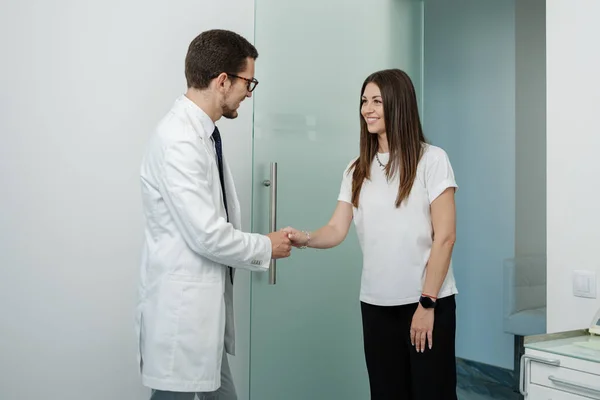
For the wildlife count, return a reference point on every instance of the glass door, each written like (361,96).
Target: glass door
(306,333)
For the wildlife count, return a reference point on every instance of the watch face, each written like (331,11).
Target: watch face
(426,302)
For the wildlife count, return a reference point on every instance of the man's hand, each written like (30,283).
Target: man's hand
(280,244)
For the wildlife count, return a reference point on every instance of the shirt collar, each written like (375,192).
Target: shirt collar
(207,124)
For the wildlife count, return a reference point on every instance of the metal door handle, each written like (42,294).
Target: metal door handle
(272,183)
(525,360)
(564,382)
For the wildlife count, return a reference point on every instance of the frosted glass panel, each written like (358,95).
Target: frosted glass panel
(306,332)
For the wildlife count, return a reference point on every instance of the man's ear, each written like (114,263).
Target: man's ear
(222,81)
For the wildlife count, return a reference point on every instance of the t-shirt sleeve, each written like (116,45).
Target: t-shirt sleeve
(346,187)
(440,175)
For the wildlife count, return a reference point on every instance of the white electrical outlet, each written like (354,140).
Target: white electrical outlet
(584,284)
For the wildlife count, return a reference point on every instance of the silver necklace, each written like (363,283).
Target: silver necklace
(379,161)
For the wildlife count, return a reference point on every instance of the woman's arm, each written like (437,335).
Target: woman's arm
(443,219)
(329,235)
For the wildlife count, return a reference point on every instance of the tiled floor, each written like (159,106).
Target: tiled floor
(486,391)
(480,382)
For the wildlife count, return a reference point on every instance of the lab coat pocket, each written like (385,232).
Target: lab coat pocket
(159,322)
(201,330)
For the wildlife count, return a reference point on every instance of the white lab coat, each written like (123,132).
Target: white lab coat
(185,310)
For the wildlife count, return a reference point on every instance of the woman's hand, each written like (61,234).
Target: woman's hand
(421,329)
(297,237)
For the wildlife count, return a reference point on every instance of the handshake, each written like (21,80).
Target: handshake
(283,240)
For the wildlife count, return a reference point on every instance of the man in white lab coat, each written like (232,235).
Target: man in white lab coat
(193,240)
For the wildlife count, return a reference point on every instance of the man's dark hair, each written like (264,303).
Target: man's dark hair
(214,52)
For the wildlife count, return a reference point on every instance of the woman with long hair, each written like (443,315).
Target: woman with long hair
(400,194)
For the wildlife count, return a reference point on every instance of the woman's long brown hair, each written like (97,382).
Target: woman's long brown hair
(403,130)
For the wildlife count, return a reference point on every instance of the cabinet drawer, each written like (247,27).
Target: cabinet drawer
(537,392)
(565,379)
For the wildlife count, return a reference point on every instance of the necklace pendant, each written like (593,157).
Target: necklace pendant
(379,161)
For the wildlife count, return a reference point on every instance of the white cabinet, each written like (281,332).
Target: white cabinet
(541,392)
(565,369)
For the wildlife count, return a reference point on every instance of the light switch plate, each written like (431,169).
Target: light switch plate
(584,284)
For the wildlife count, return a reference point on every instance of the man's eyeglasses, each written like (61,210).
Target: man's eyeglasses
(250,83)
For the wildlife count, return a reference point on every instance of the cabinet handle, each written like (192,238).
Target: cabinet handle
(525,361)
(582,386)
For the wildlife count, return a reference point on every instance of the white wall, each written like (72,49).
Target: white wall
(530,119)
(82,85)
(573,166)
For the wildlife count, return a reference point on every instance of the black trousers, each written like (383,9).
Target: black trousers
(396,370)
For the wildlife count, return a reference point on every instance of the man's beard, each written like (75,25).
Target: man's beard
(229,113)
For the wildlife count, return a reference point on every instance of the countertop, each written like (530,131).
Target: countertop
(576,344)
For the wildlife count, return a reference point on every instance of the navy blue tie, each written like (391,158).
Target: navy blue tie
(219,148)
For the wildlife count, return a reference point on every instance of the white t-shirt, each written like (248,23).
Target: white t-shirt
(396,242)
